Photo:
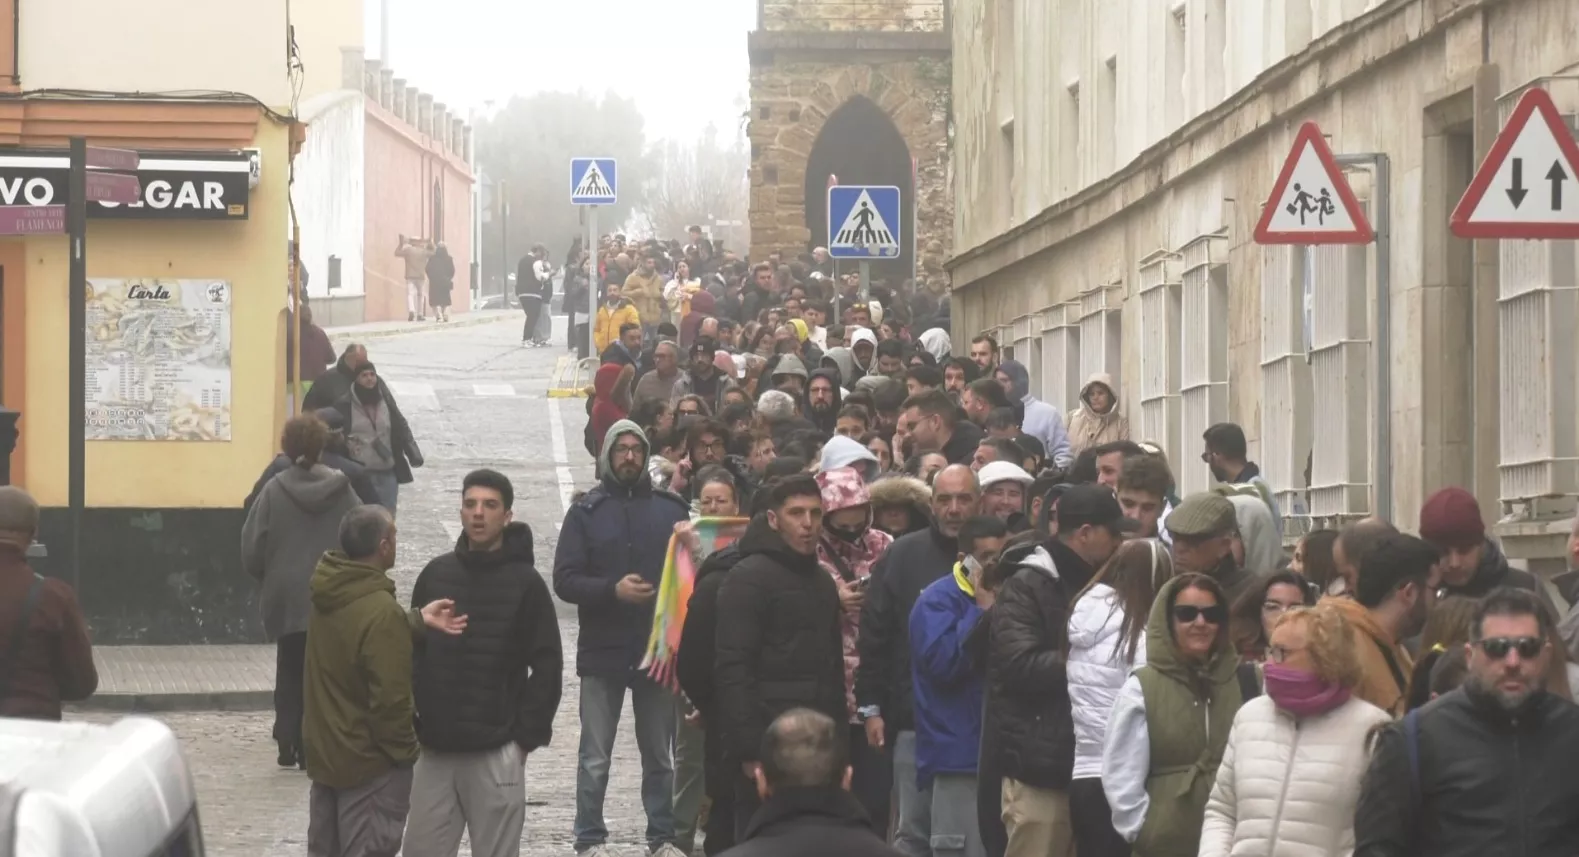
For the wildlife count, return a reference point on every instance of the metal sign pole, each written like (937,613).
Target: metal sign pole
(594,284)
(866,282)
(77,289)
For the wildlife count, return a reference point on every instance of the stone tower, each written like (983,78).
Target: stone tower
(856,92)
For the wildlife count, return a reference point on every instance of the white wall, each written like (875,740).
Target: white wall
(155,46)
(329,195)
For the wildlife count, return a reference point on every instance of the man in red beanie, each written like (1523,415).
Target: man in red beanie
(1472,564)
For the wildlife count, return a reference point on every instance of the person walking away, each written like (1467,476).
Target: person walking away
(611,396)
(1030,721)
(335,383)
(778,638)
(848,548)
(1107,641)
(1042,421)
(644,288)
(949,686)
(608,563)
(415,253)
(1290,775)
(441,280)
(379,437)
(803,784)
(294,522)
(486,699)
(1487,768)
(1098,420)
(46,657)
(1392,598)
(335,457)
(695,662)
(613,315)
(884,692)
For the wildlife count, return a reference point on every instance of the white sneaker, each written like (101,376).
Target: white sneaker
(668,849)
(598,851)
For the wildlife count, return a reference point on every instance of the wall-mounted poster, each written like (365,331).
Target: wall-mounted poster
(158,359)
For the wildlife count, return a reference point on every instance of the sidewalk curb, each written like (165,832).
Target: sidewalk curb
(225,700)
(468,320)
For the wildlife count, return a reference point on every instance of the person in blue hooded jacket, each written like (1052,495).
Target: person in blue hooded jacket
(608,563)
(950,686)
(1042,420)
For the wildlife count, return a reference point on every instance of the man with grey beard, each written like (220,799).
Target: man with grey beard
(1487,768)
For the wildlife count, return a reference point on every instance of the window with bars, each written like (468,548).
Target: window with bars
(1159,352)
(1285,375)
(1203,353)
(1536,309)
(1335,279)
(1061,355)
(1101,331)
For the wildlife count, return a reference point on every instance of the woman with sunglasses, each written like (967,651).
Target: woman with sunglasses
(1107,640)
(1169,725)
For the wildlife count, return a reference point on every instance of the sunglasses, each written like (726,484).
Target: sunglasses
(1184,614)
(1498,648)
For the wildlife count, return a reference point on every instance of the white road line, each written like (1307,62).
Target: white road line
(453,530)
(556,435)
(493,390)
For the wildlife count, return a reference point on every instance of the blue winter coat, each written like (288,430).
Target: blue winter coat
(612,531)
(948,689)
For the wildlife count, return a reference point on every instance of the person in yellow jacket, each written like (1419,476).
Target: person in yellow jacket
(613,314)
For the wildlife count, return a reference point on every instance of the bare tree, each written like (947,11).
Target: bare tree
(695,184)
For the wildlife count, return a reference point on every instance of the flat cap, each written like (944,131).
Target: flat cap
(1201,515)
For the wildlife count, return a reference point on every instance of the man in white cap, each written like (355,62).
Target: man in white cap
(1003,485)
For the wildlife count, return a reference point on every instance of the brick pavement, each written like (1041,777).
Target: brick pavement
(164,678)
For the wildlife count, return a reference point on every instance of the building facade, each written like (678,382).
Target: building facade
(856,94)
(188,287)
(1113,160)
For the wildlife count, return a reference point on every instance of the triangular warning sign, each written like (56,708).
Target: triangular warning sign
(864,227)
(592,183)
(1528,186)
(1311,202)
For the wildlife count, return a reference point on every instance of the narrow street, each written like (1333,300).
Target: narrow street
(475,398)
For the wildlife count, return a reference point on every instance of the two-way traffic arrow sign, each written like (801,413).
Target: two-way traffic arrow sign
(1500,204)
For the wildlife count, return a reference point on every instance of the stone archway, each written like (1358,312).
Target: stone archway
(859,144)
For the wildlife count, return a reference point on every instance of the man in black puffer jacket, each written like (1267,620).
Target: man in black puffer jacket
(780,641)
(486,698)
(883,692)
(694,669)
(1029,733)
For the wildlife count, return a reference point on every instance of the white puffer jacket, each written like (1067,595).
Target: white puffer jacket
(1096,670)
(1288,788)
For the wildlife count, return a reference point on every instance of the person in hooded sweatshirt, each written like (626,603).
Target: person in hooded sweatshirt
(1042,421)
(1098,420)
(487,698)
(848,549)
(1031,735)
(824,398)
(841,452)
(863,353)
(884,690)
(611,396)
(779,643)
(901,504)
(703,306)
(294,521)
(841,360)
(608,563)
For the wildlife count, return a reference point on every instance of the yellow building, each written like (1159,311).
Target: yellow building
(163,511)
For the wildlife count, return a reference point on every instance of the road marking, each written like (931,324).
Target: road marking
(416,395)
(493,390)
(556,436)
(453,529)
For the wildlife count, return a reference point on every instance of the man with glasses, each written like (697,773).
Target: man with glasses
(608,563)
(1487,768)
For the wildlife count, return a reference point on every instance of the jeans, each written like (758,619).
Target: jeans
(386,486)
(290,657)
(689,788)
(914,836)
(1092,820)
(955,832)
(602,697)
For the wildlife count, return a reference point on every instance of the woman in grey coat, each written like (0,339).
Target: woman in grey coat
(295,520)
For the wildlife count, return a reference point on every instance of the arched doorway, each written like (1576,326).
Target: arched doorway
(861,146)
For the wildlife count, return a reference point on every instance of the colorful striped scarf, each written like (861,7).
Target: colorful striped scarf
(674,593)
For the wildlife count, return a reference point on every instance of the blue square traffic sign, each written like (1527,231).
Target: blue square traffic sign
(593,181)
(863,222)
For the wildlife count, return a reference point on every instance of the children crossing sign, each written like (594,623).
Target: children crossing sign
(592,181)
(863,222)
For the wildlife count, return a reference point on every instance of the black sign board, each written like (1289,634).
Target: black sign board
(175,186)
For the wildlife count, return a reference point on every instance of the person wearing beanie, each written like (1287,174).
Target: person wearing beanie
(1472,564)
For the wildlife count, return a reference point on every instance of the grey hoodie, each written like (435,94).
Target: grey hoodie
(295,520)
(844,361)
(861,334)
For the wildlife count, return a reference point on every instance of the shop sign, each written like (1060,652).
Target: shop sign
(175,186)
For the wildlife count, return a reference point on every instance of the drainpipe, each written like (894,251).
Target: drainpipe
(1381,213)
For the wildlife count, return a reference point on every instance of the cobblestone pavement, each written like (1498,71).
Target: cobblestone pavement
(475,398)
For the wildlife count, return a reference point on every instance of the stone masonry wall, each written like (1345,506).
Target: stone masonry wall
(868,16)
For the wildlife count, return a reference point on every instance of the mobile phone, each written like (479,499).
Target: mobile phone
(861,583)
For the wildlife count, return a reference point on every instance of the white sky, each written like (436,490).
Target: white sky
(683,61)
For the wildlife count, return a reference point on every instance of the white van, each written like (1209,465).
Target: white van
(88,790)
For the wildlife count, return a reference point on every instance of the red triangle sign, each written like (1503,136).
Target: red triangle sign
(1311,202)
(1528,186)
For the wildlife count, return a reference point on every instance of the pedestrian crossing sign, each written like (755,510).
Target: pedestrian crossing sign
(592,181)
(863,222)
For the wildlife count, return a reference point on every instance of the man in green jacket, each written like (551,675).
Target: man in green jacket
(358,733)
